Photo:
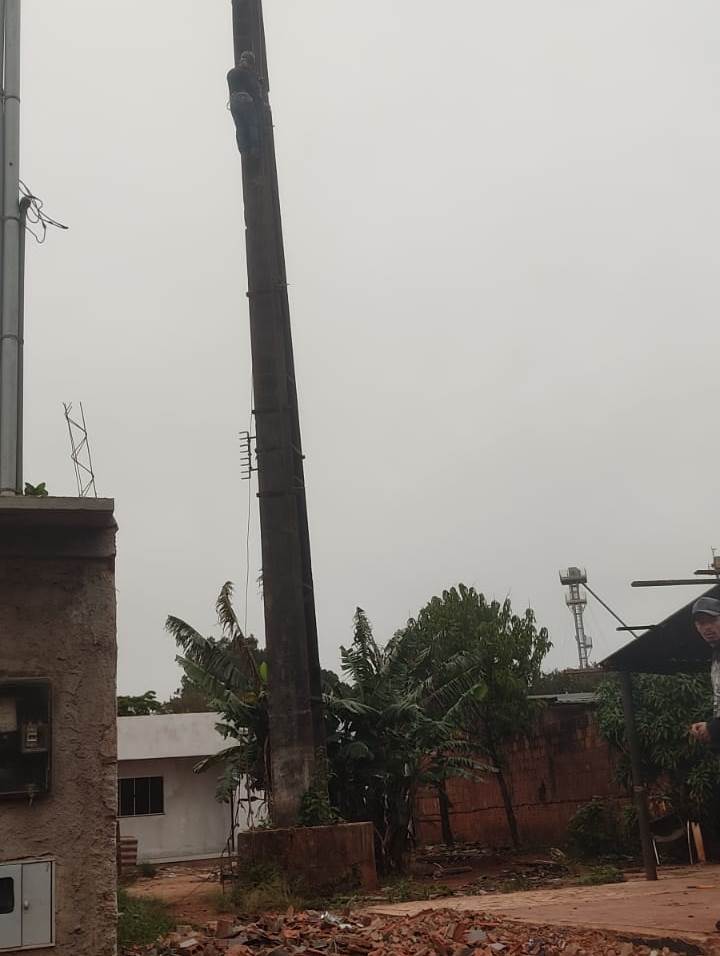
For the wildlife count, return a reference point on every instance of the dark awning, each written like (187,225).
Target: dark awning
(672,647)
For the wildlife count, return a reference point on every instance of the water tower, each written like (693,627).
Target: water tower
(573,578)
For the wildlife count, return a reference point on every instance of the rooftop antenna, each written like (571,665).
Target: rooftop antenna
(576,601)
(80,452)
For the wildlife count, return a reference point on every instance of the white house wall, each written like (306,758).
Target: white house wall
(193,825)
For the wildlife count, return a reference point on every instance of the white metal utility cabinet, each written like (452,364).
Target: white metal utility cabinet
(27,905)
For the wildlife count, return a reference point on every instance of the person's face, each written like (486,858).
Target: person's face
(708,626)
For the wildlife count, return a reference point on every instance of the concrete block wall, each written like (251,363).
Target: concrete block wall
(57,623)
(562,764)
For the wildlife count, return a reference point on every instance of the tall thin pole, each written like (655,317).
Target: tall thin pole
(296,725)
(639,790)
(2,140)
(25,203)
(10,324)
(298,457)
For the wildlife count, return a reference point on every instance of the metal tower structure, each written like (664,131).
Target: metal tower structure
(80,452)
(575,599)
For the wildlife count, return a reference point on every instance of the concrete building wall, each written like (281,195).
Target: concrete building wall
(193,825)
(560,765)
(57,622)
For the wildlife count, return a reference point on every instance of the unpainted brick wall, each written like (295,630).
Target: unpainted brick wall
(329,856)
(562,764)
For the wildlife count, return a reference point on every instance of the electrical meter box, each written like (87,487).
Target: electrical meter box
(24,739)
(27,918)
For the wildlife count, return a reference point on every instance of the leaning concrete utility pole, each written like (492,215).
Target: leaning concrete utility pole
(11,331)
(296,723)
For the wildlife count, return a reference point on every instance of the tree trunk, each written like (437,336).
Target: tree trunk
(509,811)
(445,807)
(397,834)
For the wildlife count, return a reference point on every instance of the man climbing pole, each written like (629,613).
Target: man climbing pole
(247,104)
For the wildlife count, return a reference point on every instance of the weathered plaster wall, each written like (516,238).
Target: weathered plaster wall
(57,621)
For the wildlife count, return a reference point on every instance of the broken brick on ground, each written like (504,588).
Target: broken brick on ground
(443,932)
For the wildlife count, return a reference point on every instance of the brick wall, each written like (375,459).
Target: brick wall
(562,764)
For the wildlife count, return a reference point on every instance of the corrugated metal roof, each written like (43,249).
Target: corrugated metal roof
(169,735)
(671,647)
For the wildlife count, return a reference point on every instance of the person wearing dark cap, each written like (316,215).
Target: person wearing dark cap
(706,618)
(246,103)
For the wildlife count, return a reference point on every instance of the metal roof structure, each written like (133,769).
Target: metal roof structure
(585,698)
(671,647)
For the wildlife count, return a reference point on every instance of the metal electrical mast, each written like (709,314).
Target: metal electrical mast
(296,721)
(577,601)
(11,257)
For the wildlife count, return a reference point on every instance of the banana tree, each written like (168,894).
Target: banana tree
(235,682)
(393,733)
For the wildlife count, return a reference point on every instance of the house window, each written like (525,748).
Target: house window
(140,796)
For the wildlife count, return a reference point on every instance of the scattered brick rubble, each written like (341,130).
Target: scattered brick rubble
(430,933)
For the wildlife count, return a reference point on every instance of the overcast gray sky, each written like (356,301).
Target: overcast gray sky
(501,221)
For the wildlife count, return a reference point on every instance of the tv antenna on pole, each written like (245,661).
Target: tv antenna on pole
(80,452)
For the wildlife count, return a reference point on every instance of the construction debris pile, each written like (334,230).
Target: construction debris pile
(474,869)
(429,933)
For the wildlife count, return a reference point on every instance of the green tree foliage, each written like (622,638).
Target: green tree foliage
(452,683)
(568,682)
(495,649)
(233,681)
(602,829)
(188,699)
(393,732)
(36,491)
(677,767)
(140,706)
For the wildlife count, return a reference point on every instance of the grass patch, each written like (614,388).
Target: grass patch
(223,902)
(403,890)
(517,883)
(598,875)
(141,921)
(263,888)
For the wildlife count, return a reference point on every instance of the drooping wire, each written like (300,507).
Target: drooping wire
(37,221)
(247,551)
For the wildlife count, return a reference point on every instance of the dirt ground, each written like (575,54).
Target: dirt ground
(683,904)
(680,908)
(192,891)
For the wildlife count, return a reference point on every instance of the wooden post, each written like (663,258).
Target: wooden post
(639,790)
(296,720)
